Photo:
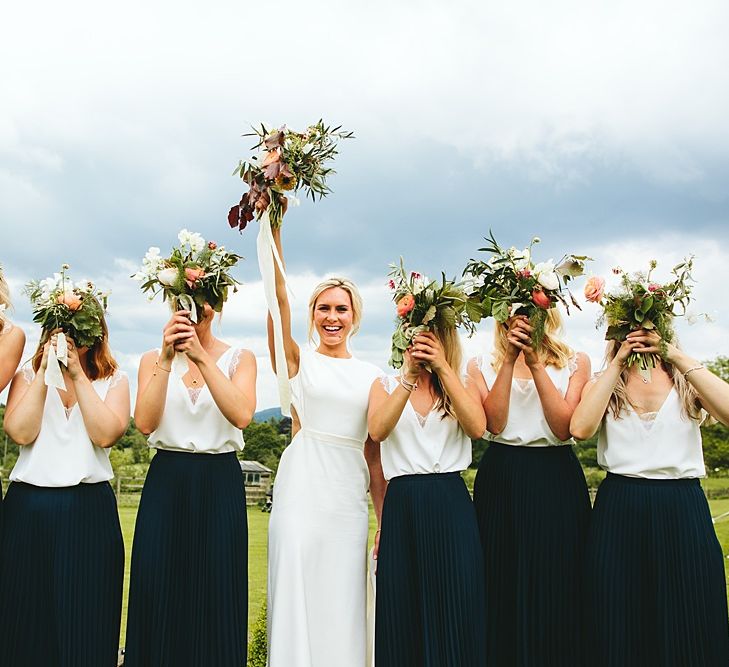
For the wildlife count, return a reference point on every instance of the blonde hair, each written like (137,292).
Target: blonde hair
(619,401)
(454,356)
(4,301)
(354,296)
(553,350)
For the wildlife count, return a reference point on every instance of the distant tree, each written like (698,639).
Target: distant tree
(264,443)
(716,436)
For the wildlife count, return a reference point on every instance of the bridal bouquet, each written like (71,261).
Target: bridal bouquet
(422,305)
(197,272)
(641,303)
(511,283)
(75,308)
(288,161)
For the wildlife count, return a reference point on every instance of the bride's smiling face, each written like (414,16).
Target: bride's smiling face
(333,316)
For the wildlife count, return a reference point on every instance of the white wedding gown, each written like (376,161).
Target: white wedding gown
(317,539)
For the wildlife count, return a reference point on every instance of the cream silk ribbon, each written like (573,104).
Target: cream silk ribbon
(53,376)
(267,253)
(182,302)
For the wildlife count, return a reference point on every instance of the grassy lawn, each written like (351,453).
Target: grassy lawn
(257,532)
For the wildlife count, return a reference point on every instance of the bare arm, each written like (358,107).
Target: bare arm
(24,412)
(498,397)
(290,347)
(154,374)
(385,409)
(235,396)
(11,350)
(107,420)
(378,484)
(588,414)
(558,409)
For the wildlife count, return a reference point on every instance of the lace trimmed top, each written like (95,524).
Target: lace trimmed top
(527,426)
(192,421)
(63,454)
(423,444)
(656,445)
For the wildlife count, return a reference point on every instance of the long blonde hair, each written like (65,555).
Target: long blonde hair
(354,296)
(619,401)
(4,301)
(454,356)
(552,352)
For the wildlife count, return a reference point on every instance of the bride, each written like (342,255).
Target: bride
(317,539)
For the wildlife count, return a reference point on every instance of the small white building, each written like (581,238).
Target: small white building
(257,478)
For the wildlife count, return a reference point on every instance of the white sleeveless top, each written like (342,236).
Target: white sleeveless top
(527,426)
(331,394)
(656,445)
(421,445)
(192,421)
(63,454)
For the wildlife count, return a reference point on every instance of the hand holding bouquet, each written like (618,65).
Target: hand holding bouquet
(424,305)
(289,162)
(641,303)
(197,272)
(74,308)
(510,283)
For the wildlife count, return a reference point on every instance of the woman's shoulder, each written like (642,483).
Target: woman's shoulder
(12,334)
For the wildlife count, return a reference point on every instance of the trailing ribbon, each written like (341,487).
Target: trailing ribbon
(267,254)
(53,376)
(182,302)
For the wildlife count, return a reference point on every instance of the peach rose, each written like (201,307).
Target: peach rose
(405,305)
(193,275)
(594,289)
(71,300)
(541,299)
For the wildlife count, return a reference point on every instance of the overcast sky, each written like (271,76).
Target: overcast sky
(600,126)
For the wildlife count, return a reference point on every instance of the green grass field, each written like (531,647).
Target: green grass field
(257,532)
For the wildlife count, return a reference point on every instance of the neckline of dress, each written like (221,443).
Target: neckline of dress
(205,384)
(328,356)
(656,413)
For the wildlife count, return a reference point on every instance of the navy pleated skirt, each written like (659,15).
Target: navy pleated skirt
(61,572)
(188,594)
(430,603)
(656,589)
(533,511)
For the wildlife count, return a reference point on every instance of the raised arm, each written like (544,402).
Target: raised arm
(588,414)
(712,390)
(24,411)
(290,347)
(11,350)
(468,411)
(498,398)
(385,408)
(154,374)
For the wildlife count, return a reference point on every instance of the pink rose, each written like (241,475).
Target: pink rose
(540,299)
(594,289)
(71,300)
(193,275)
(653,287)
(212,245)
(405,305)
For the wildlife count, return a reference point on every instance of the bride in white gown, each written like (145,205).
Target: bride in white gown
(317,540)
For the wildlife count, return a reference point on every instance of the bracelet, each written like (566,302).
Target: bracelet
(409,386)
(694,368)
(162,368)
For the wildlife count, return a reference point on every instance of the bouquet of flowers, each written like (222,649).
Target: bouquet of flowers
(641,303)
(196,273)
(510,283)
(289,161)
(422,305)
(75,308)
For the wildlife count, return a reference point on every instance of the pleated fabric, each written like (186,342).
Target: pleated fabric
(533,510)
(430,600)
(61,572)
(656,590)
(188,596)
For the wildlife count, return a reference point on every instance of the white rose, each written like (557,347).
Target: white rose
(522,259)
(168,277)
(548,280)
(183,237)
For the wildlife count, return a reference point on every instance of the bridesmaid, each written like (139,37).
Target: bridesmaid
(655,570)
(188,597)
(430,585)
(61,553)
(531,497)
(317,540)
(12,342)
